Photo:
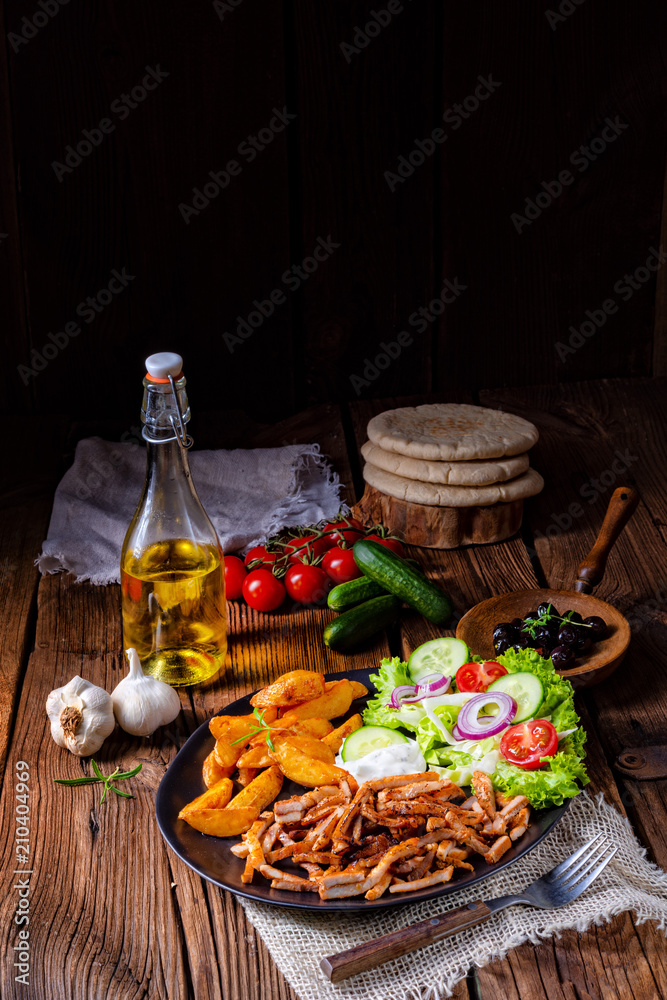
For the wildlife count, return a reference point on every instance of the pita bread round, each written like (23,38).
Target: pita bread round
(448,473)
(433,495)
(451,432)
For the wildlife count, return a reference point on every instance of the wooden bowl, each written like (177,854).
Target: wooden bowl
(476,629)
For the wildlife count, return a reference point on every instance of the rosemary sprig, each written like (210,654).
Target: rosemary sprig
(531,625)
(106,780)
(262,728)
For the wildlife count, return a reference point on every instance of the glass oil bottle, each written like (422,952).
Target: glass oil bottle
(172,570)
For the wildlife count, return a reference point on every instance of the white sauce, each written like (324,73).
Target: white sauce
(399,758)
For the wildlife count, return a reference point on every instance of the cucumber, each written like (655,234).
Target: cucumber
(348,595)
(400,578)
(525,688)
(360,623)
(367,738)
(439,656)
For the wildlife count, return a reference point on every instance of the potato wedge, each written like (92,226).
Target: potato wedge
(229,727)
(223,822)
(247,774)
(216,797)
(358,690)
(308,745)
(306,770)
(227,754)
(335,738)
(291,688)
(261,791)
(333,703)
(257,756)
(212,771)
(313,727)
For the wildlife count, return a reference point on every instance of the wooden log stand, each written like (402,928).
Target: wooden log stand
(440,527)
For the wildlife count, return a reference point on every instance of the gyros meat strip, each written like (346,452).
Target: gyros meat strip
(483,786)
(443,875)
(399,834)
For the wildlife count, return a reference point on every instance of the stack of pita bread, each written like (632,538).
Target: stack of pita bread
(452,455)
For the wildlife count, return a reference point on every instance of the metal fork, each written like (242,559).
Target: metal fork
(559,886)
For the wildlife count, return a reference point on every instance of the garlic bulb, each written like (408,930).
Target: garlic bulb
(142,703)
(81,716)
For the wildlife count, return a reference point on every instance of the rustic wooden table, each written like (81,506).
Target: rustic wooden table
(113,913)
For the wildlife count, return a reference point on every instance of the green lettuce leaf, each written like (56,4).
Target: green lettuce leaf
(393,672)
(548,786)
(558,779)
(560,776)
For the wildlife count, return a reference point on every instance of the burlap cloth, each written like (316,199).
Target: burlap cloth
(298,939)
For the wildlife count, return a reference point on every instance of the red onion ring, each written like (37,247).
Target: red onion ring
(471,727)
(430,686)
(400,693)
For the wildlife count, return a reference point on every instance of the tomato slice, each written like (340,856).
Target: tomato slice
(478,676)
(526,743)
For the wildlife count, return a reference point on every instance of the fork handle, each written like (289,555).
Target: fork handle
(373,953)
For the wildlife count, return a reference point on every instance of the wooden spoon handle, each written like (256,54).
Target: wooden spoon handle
(622,505)
(372,953)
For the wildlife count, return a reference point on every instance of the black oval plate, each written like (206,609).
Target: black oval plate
(211,857)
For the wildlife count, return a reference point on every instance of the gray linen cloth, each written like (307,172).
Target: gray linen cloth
(248,495)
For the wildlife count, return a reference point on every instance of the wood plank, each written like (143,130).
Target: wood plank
(557,91)
(31,469)
(119,207)
(659,357)
(364,294)
(16,390)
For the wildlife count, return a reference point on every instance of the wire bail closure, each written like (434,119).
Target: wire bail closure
(183,438)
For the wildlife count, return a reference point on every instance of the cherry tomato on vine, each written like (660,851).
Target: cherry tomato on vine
(235,574)
(527,742)
(262,590)
(478,676)
(346,530)
(305,548)
(389,543)
(339,564)
(261,552)
(307,584)
(131,587)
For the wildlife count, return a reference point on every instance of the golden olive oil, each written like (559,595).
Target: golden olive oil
(174,609)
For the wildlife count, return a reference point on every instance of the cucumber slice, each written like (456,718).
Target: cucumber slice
(367,738)
(439,656)
(525,688)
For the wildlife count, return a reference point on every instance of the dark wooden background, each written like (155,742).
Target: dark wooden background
(229,65)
